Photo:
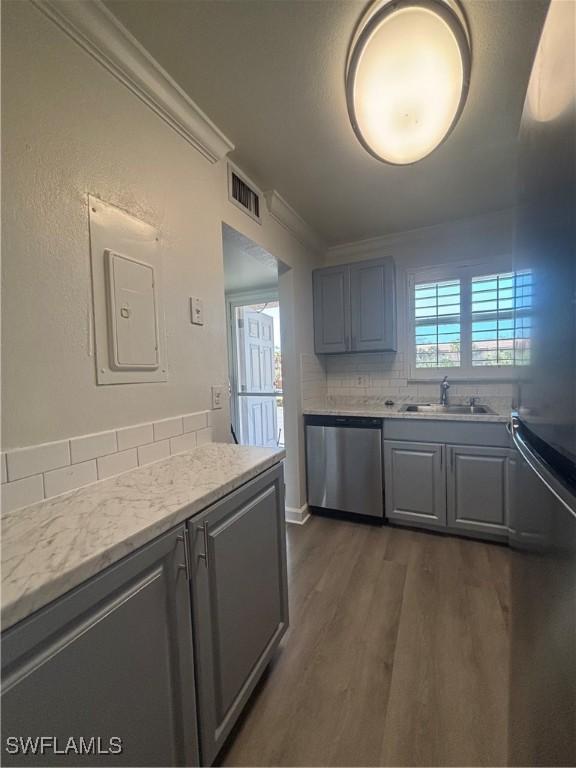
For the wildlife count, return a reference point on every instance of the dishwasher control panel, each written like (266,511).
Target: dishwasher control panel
(361,422)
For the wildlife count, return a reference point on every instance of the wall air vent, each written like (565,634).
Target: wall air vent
(243,194)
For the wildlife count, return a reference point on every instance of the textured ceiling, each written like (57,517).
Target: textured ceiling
(270,74)
(247,266)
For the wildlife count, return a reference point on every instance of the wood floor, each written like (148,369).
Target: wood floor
(396,654)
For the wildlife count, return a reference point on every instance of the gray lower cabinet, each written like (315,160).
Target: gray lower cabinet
(455,487)
(239,597)
(355,307)
(415,483)
(478,488)
(113,658)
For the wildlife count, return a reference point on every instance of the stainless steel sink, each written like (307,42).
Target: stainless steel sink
(472,410)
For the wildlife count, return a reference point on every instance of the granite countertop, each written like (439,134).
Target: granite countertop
(381,411)
(55,545)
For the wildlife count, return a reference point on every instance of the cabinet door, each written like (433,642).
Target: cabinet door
(373,311)
(240,604)
(113,658)
(332,309)
(478,488)
(415,482)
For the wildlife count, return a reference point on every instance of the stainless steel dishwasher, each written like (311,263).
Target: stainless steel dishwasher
(344,464)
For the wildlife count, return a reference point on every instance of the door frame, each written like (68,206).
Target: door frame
(234,300)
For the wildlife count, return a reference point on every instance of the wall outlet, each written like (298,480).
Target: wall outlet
(196,311)
(217,397)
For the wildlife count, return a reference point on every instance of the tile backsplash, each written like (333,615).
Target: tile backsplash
(380,376)
(39,472)
(312,379)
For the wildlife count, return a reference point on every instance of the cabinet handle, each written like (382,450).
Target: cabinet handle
(186,565)
(204,555)
(441,456)
(452,459)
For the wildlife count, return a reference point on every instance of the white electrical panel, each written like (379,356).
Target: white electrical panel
(132,311)
(126,259)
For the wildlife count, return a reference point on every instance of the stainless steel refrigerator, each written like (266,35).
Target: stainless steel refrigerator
(542,715)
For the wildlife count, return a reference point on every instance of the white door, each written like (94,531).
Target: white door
(258,418)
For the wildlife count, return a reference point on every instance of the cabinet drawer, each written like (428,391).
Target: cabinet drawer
(455,432)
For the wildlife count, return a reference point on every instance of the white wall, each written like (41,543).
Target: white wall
(485,240)
(69,129)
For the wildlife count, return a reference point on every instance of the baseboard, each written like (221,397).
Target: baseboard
(297,516)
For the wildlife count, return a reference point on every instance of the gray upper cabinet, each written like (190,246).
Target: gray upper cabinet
(113,658)
(415,483)
(239,596)
(331,309)
(355,307)
(478,488)
(372,306)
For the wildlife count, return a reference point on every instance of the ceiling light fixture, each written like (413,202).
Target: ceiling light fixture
(407,77)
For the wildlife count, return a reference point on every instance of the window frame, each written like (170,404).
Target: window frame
(463,272)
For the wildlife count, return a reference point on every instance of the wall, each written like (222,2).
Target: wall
(41,471)
(484,239)
(69,129)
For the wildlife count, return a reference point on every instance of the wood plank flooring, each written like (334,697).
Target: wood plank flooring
(396,655)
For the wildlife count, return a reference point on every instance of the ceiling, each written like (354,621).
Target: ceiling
(270,74)
(247,266)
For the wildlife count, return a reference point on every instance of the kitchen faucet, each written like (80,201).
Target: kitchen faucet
(444,387)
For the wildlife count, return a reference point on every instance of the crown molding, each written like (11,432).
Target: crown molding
(385,244)
(90,24)
(284,214)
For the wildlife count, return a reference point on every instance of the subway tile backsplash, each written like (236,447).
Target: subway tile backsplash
(37,459)
(68,478)
(117,463)
(39,472)
(132,437)
(20,493)
(92,446)
(381,376)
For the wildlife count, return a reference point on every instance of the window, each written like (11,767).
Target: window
(437,324)
(472,322)
(500,319)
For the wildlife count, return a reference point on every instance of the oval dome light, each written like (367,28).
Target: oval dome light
(407,78)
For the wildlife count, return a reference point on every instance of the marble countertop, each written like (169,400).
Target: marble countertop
(381,411)
(55,545)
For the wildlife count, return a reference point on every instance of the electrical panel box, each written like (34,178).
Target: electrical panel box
(132,311)
(126,258)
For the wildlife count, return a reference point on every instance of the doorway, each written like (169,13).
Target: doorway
(256,379)
(254,341)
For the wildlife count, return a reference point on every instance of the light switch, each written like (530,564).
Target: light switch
(196,311)
(217,397)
